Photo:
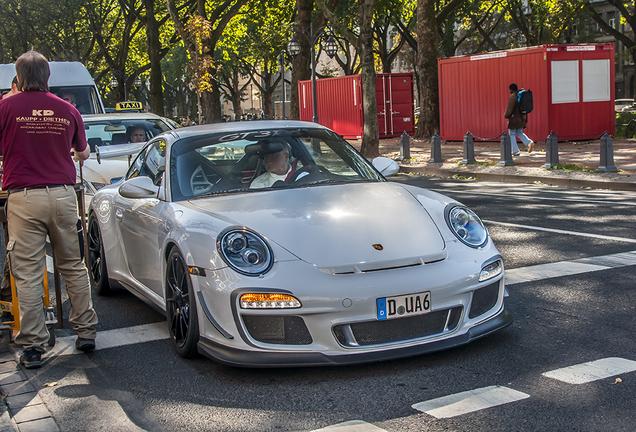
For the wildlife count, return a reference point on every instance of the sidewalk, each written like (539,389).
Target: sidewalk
(578,160)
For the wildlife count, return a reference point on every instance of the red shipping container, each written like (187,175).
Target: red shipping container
(572,87)
(340,104)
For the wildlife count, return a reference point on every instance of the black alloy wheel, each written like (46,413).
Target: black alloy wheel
(181,306)
(97,263)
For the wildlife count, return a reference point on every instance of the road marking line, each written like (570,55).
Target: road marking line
(592,371)
(568,268)
(469,401)
(351,426)
(558,231)
(517,195)
(113,338)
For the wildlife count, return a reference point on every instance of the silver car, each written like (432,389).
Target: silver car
(331,265)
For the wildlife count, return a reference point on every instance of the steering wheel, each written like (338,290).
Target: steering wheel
(308,173)
(199,182)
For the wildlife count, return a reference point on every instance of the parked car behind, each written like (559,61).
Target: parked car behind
(114,130)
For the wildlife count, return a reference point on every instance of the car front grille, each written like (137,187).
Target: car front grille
(277,329)
(396,330)
(484,299)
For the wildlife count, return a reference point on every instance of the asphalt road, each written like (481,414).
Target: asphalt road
(571,283)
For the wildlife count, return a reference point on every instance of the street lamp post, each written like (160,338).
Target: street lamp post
(330,48)
(114,83)
(282,75)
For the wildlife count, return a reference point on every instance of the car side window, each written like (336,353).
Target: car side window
(151,162)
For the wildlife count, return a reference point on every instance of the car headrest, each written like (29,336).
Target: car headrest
(119,138)
(94,142)
(263,147)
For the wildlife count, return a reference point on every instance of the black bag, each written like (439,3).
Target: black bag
(524,97)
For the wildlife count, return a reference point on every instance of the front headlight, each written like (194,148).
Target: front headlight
(466,226)
(245,251)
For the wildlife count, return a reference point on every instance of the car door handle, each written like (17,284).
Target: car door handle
(119,214)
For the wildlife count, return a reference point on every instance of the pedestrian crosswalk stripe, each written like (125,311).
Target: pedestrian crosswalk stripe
(469,401)
(114,338)
(568,268)
(558,231)
(351,426)
(592,371)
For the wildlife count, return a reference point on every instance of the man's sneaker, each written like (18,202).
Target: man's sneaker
(530,146)
(516,154)
(31,359)
(85,344)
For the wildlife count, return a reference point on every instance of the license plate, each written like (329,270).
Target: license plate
(405,305)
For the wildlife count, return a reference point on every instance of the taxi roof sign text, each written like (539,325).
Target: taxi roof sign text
(130,105)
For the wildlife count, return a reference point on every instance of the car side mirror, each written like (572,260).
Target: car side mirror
(386,166)
(139,188)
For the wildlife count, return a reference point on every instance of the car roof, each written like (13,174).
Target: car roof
(120,116)
(243,126)
(63,74)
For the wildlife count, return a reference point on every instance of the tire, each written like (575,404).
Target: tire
(181,308)
(97,263)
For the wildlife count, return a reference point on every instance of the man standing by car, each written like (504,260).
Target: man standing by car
(38,134)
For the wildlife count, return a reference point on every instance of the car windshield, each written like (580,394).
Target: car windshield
(121,131)
(83,98)
(268,159)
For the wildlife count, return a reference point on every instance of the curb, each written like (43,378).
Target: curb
(554,181)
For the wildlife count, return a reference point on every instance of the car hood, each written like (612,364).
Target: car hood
(339,228)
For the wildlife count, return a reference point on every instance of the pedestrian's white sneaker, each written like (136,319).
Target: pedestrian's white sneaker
(530,146)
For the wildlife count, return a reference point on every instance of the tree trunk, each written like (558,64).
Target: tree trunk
(301,64)
(154,48)
(370,131)
(237,94)
(427,53)
(211,103)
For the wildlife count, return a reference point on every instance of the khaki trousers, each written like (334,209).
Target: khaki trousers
(32,215)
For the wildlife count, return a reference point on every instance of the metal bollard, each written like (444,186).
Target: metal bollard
(506,151)
(607,154)
(469,149)
(436,149)
(405,146)
(551,151)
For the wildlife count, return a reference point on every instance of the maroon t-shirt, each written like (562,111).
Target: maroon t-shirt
(37,132)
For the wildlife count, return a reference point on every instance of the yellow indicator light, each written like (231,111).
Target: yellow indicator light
(196,271)
(268,301)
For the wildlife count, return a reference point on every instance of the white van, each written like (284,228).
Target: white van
(70,80)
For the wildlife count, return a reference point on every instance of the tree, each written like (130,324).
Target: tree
(217,13)
(430,15)
(56,28)
(117,31)
(300,64)
(628,14)
(385,33)
(153,10)
(364,44)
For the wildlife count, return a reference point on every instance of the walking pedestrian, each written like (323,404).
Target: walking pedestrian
(516,121)
(40,135)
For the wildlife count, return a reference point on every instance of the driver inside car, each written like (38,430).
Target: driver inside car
(277,167)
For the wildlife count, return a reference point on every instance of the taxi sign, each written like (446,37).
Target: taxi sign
(130,105)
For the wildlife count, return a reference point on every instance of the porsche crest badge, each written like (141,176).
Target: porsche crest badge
(378,246)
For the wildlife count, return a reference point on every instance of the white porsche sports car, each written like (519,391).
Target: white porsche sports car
(331,264)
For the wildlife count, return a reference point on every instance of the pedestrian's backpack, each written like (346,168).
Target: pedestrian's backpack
(524,97)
